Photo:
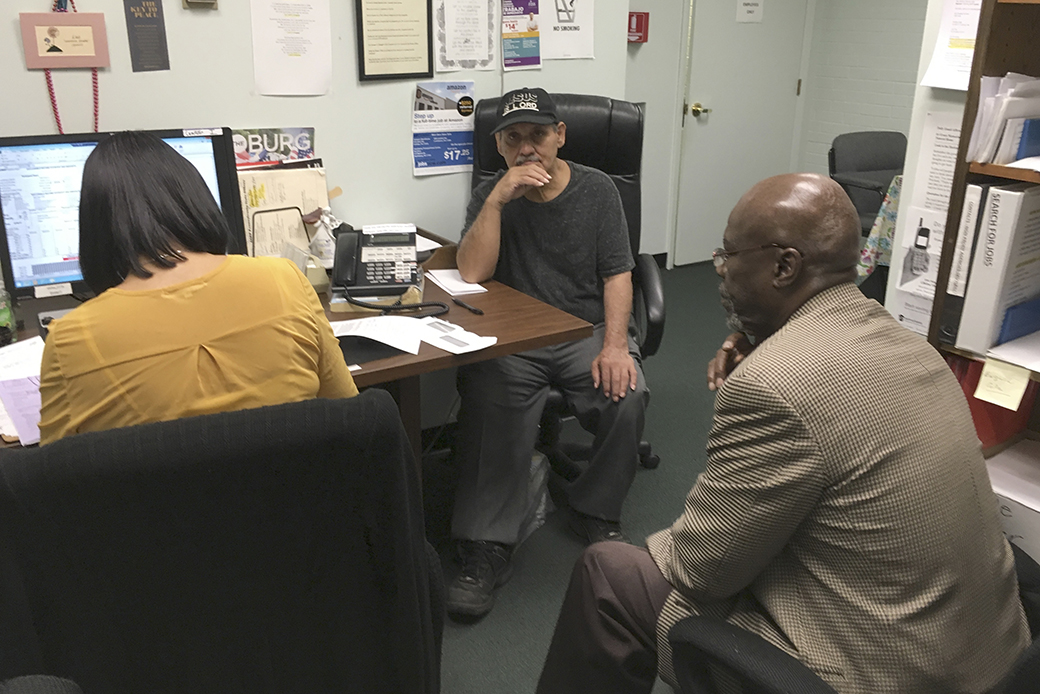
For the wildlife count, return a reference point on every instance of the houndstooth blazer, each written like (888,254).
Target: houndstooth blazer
(845,513)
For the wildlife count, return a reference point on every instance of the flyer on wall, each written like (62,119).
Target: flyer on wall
(521,45)
(465,35)
(442,128)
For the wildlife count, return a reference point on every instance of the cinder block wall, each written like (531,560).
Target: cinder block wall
(862,71)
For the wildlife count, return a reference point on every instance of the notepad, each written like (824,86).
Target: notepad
(451,281)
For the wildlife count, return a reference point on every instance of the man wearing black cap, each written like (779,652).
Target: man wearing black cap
(554,230)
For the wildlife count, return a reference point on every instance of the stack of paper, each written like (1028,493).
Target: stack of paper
(20,390)
(451,281)
(1002,101)
(405,333)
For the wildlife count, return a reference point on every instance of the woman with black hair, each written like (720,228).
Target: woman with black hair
(179,328)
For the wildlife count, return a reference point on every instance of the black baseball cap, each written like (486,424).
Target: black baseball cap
(526,106)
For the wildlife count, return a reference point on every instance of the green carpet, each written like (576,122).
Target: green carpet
(503,653)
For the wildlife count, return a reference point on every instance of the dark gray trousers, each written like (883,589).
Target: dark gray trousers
(502,402)
(606,636)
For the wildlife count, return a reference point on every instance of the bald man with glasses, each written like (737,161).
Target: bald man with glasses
(844,515)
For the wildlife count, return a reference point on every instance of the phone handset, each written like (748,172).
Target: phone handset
(348,253)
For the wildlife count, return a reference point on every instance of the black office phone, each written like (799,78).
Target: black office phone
(375,264)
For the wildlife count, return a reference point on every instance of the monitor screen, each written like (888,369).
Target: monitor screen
(40,181)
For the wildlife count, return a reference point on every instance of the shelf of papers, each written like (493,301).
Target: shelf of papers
(1009,172)
(1019,2)
(950,349)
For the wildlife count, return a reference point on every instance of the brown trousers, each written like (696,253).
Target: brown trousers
(606,636)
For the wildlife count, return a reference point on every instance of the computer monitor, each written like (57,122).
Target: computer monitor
(40,181)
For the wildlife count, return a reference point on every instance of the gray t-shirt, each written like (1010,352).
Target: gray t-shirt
(559,251)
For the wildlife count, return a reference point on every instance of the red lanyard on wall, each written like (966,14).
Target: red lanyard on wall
(61,6)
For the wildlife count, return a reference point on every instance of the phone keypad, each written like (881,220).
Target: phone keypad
(387,272)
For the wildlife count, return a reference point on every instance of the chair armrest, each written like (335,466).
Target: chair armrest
(648,278)
(696,641)
(855,181)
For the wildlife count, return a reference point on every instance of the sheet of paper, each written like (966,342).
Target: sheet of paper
(749,11)
(1002,384)
(424,244)
(451,281)
(442,128)
(18,360)
(21,399)
(400,332)
(1024,352)
(950,66)
(567,30)
(921,249)
(292,47)
(465,35)
(1032,163)
(388,229)
(941,137)
(521,42)
(273,202)
(452,338)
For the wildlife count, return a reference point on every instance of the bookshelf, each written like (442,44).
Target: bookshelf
(1005,43)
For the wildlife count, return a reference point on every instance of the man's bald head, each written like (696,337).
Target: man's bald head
(789,238)
(809,212)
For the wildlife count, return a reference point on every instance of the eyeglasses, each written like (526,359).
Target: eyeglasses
(720,255)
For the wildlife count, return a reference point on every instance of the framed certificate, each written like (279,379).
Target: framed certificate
(394,39)
(64,39)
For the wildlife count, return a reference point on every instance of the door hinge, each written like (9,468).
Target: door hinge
(798,92)
(685,108)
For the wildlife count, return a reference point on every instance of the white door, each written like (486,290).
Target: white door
(747,74)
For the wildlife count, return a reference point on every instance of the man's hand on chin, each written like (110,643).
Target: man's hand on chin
(520,179)
(614,371)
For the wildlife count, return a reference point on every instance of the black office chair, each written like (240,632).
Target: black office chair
(606,134)
(277,549)
(864,164)
(700,643)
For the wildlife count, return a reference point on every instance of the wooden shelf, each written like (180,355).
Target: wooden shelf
(950,349)
(1018,2)
(1027,175)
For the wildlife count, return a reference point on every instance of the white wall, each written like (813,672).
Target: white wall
(862,71)
(656,75)
(362,130)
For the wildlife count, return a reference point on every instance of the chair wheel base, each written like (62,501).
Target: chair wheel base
(650,462)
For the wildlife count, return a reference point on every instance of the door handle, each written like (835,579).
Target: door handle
(696,109)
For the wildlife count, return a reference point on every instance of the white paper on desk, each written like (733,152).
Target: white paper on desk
(388,229)
(452,338)
(451,281)
(18,360)
(292,47)
(424,244)
(400,332)
(21,398)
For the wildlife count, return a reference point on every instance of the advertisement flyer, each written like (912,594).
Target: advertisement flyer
(260,146)
(521,45)
(442,128)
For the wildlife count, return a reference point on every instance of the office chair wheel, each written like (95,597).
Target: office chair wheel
(650,462)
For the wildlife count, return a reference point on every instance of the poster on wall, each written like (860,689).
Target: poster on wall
(567,29)
(393,39)
(521,42)
(264,146)
(464,33)
(442,128)
(921,226)
(292,47)
(950,67)
(146,29)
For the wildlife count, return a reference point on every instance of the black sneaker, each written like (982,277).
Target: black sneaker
(485,566)
(592,529)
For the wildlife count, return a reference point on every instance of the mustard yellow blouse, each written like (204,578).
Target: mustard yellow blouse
(249,333)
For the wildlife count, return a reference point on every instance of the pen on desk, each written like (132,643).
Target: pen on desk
(463,304)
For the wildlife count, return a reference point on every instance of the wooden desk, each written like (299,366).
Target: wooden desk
(518,321)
